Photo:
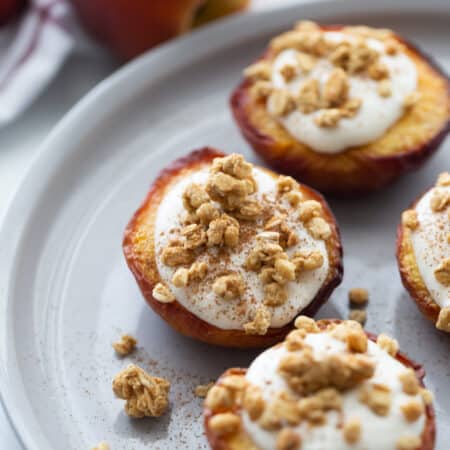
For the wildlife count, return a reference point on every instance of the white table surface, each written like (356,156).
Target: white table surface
(20,141)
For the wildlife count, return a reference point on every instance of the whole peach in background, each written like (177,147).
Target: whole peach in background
(130,27)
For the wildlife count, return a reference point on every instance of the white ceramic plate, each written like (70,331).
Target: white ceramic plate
(66,292)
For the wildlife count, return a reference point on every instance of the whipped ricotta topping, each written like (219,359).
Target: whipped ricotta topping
(200,299)
(431,246)
(376,114)
(377,432)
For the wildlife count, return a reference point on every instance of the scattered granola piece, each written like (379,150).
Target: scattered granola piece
(328,118)
(176,255)
(358,296)
(288,72)
(412,410)
(274,294)
(408,443)
(409,219)
(181,277)
(295,340)
(258,71)
(235,382)
(307,324)
(280,102)
(309,209)
(351,107)
(261,89)
(442,273)
(224,230)
(443,179)
(125,345)
(225,424)
(294,198)
(229,287)
(352,431)
(319,228)
(377,397)
(439,200)
(308,99)
(286,184)
(101,446)
(145,396)
(253,402)
(357,340)
(219,398)
(306,62)
(443,322)
(307,260)
(336,88)
(162,294)
(261,322)
(288,439)
(427,396)
(385,88)
(306,25)
(388,344)
(410,384)
(194,236)
(202,389)
(358,315)
(194,196)
(378,71)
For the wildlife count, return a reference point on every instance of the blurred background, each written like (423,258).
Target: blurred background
(52,52)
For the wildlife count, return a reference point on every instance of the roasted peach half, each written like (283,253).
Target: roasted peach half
(229,253)
(423,252)
(343,117)
(306,394)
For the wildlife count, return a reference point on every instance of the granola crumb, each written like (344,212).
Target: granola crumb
(388,344)
(307,324)
(328,118)
(410,384)
(352,431)
(319,228)
(253,402)
(443,322)
(145,395)
(358,315)
(443,179)
(225,424)
(125,345)
(308,99)
(288,439)
(258,71)
(101,446)
(336,88)
(261,323)
(219,398)
(427,396)
(358,296)
(202,390)
(162,294)
(440,199)
(280,102)
(385,88)
(408,443)
(442,274)
(229,287)
(409,219)
(377,397)
(412,410)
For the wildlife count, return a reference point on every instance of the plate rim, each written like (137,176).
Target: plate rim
(45,161)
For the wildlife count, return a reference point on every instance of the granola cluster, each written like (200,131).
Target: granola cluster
(352,57)
(317,384)
(145,396)
(221,216)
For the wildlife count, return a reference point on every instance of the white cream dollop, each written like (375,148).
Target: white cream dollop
(376,115)
(377,432)
(233,314)
(430,244)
